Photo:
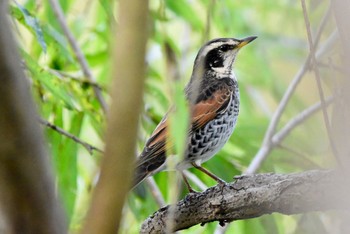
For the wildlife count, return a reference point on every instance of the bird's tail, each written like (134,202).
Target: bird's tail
(140,174)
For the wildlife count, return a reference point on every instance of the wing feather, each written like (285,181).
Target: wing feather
(210,103)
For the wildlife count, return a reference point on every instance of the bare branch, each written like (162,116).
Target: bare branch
(62,74)
(198,182)
(267,145)
(318,81)
(61,131)
(255,195)
(155,191)
(56,7)
(304,68)
(332,67)
(297,120)
(306,158)
(277,138)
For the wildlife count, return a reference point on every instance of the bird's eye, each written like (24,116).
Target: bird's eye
(224,48)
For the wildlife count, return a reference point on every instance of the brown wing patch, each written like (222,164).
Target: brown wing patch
(155,147)
(159,134)
(206,110)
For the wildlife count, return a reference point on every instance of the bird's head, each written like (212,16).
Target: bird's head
(217,56)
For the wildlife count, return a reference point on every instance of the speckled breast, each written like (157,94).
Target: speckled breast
(204,143)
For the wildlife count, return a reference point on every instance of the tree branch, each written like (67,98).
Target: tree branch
(318,82)
(267,146)
(62,75)
(56,7)
(87,146)
(155,191)
(297,120)
(255,195)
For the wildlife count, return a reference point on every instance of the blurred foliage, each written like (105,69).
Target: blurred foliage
(178,28)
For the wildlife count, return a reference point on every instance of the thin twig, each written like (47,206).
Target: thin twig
(300,118)
(331,66)
(62,74)
(56,7)
(155,191)
(198,182)
(61,131)
(278,137)
(266,145)
(302,155)
(294,84)
(318,81)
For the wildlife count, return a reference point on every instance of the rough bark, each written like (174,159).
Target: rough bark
(27,195)
(255,195)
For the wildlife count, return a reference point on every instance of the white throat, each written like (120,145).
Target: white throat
(226,70)
(220,72)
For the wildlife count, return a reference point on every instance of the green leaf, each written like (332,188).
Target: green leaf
(33,23)
(67,165)
(254,226)
(107,7)
(49,81)
(58,42)
(184,10)
(65,152)
(179,120)
(55,41)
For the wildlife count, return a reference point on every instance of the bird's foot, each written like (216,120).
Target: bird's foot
(221,184)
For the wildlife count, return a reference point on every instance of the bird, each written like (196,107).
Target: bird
(213,98)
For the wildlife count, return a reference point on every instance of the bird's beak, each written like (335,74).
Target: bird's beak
(246,41)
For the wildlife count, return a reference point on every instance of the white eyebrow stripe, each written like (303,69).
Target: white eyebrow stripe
(214,45)
(211,47)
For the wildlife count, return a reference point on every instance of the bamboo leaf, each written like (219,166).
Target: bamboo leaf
(49,81)
(33,23)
